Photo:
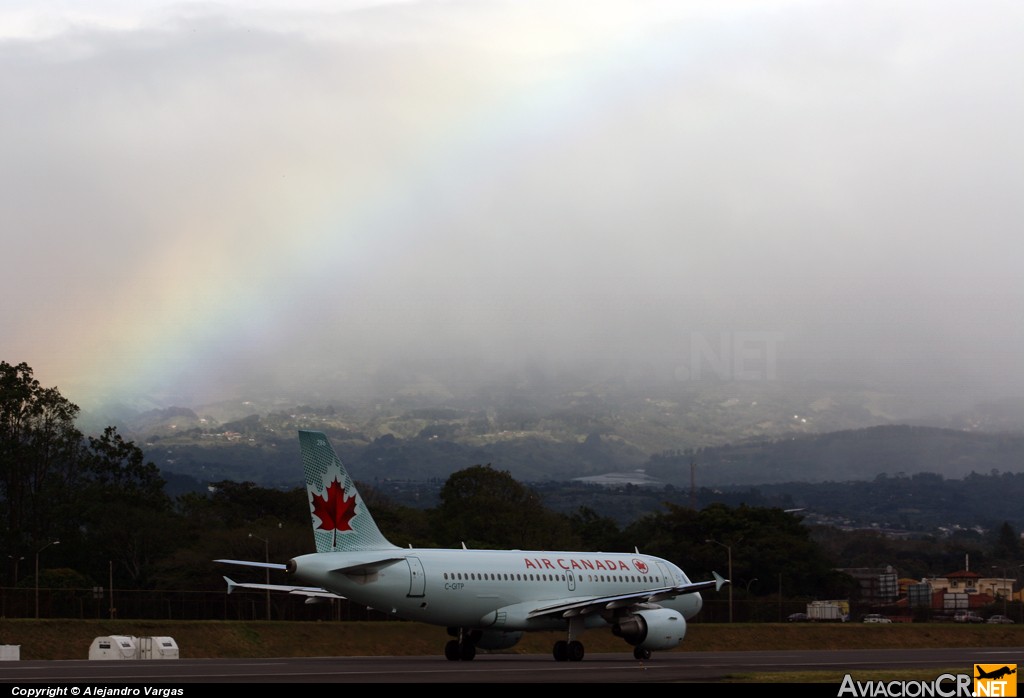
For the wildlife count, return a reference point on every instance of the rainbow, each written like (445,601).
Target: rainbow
(228,287)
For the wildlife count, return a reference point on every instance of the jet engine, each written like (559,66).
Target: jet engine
(652,629)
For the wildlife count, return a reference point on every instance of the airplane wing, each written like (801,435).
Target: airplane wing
(312,592)
(577,607)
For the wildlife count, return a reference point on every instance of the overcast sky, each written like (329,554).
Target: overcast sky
(202,196)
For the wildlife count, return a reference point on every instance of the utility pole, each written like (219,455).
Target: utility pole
(266,558)
(693,484)
(780,597)
(110,572)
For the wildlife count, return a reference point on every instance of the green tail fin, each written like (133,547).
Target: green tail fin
(341,520)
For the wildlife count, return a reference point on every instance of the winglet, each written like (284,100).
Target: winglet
(231,584)
(720,581)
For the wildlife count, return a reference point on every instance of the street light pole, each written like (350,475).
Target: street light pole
(1002,586)
(266,558)
(750,605)
(52,542)
(16,560)
(728,550)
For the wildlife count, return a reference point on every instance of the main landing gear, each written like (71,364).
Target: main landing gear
(571,651)
(461,649)
(641,654)
(455,650)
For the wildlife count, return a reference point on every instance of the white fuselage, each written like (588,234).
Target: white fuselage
(496,589)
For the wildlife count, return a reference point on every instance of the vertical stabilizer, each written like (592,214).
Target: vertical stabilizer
(341,520)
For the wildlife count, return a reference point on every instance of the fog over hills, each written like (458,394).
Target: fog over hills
(735,431)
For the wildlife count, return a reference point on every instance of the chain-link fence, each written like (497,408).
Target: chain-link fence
(173,605)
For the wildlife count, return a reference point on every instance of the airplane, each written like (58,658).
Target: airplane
(995,673)
(486,599)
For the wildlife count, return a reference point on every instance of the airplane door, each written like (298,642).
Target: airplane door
(417,579)
(669,577)
(570,577)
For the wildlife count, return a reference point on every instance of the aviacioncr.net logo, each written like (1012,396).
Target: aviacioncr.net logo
(995,680)
(988,680)
(945,686)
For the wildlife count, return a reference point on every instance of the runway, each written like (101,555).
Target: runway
(499,668)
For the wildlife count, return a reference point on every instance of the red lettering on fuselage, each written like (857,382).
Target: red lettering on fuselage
(607,565)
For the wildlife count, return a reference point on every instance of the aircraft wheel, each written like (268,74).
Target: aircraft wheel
(561,651)
(467,651)
(451,651)
(641,653)
(575,651)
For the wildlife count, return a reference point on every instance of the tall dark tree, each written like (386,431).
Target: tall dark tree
(596,532)
(39,452)
(1007,543)
(484,507)
(121,508)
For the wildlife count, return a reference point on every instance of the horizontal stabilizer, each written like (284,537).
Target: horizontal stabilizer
(313,592)
(261,565)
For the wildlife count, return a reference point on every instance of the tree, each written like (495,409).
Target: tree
(1007,545)
(763,543)
(120,509)
(39,452)
(596,532)
(486,508)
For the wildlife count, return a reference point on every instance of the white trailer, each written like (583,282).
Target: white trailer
(835,611)
(114,647)
(158,647)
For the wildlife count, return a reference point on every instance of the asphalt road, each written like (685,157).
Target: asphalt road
(597,668)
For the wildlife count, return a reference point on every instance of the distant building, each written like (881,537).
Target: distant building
(636,478)
(878,585)
(978,589)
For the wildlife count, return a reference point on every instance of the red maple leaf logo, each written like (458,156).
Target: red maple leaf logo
(640,565)
(334,511)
